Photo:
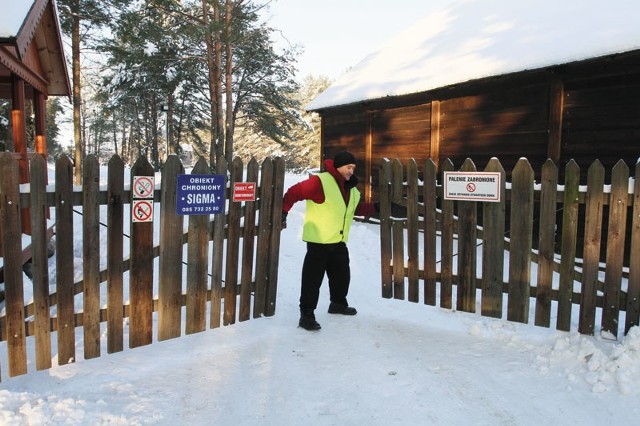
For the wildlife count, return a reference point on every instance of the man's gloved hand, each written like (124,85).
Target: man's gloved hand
(284,220)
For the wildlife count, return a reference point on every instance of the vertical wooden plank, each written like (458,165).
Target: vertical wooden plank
(91,256)
(434,146)
(632,316)
(556,108)
(233,247)
(430,228)
(385,228)
(64,261)
(217,253)
(197,264)
(398,258)
(170,262)
(615,248)
(521,242)
(546,243)
(446,285)
(274,240)
(413,259)
(141,272)
(40,262)
(10,224)
(568,244)
(248,244)
(592,239)
(115,225)
(493,216)
(467,241)
(264,232)
(397,230)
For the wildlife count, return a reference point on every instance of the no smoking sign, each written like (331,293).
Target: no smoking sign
(142,211)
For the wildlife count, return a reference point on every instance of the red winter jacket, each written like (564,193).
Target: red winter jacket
(311,189)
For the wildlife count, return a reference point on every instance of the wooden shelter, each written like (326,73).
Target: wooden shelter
(32,66)
(494,78)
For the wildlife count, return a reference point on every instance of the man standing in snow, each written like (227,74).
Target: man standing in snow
(332,202)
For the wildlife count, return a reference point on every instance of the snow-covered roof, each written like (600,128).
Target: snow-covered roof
(13,16)
(474,39)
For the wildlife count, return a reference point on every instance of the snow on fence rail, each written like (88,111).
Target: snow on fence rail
(242,245)
(589,226)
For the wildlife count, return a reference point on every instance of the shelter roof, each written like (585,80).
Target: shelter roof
(474,39)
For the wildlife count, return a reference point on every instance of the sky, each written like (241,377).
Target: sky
(337,34)
(394,363)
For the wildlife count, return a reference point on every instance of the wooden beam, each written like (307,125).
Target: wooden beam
(20,140)
(39,105)
(556,107)
(434,148)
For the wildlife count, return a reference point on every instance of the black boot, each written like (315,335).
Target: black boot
(336,308)
(308,320)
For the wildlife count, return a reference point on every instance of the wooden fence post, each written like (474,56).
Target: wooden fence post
(141,273)
(248,243)
(264,232)
(40,262)
(592,238)
(91,256)
(521,241)
(274,241)
(546,244)
(64,261)
(217,254)
(468,221)
(616,232)
(493,217)
(413,260)
(197,264)
(569,242)
(429,196)
(12,249)
(632,315)
(397,230)
(115,285)
(233,246)
(171,248)
(385,228)
(446,285)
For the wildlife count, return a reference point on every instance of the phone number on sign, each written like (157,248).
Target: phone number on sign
(200,209)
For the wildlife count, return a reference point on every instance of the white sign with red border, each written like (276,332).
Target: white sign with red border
(244,191)
(472,186)
(143,187)
(142,211)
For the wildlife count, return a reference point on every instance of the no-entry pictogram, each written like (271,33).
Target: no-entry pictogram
(471,187)
(143,186)
(142,211)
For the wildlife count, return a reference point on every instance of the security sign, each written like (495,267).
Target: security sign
(244,191)
(142,211)
(200,194)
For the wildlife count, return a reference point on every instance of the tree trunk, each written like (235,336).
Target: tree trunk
(229,130)
(218,82)
(212,87)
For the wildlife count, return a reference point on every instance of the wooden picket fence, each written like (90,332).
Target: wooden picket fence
(476,267)
(242,246)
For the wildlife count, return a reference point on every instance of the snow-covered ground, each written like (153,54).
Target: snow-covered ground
(395,363)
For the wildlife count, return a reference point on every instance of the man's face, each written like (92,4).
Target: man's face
(347,171)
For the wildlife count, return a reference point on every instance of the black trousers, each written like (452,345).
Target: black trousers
(332,259)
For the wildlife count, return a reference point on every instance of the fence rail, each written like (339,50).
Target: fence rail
(242,246)
(598,220)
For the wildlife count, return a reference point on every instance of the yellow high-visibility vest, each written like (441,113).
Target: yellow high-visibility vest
(330,222)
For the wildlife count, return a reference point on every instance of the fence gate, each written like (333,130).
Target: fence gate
(486,251)
(222,266)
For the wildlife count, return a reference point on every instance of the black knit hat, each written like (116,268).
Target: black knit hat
(343,158)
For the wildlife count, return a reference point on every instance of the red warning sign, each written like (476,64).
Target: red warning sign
(142,211)
(244,191)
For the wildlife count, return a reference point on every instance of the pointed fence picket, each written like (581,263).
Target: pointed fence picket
(229,281)
(566,232)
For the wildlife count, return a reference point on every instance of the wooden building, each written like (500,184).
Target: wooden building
(32,67)
(494,78)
